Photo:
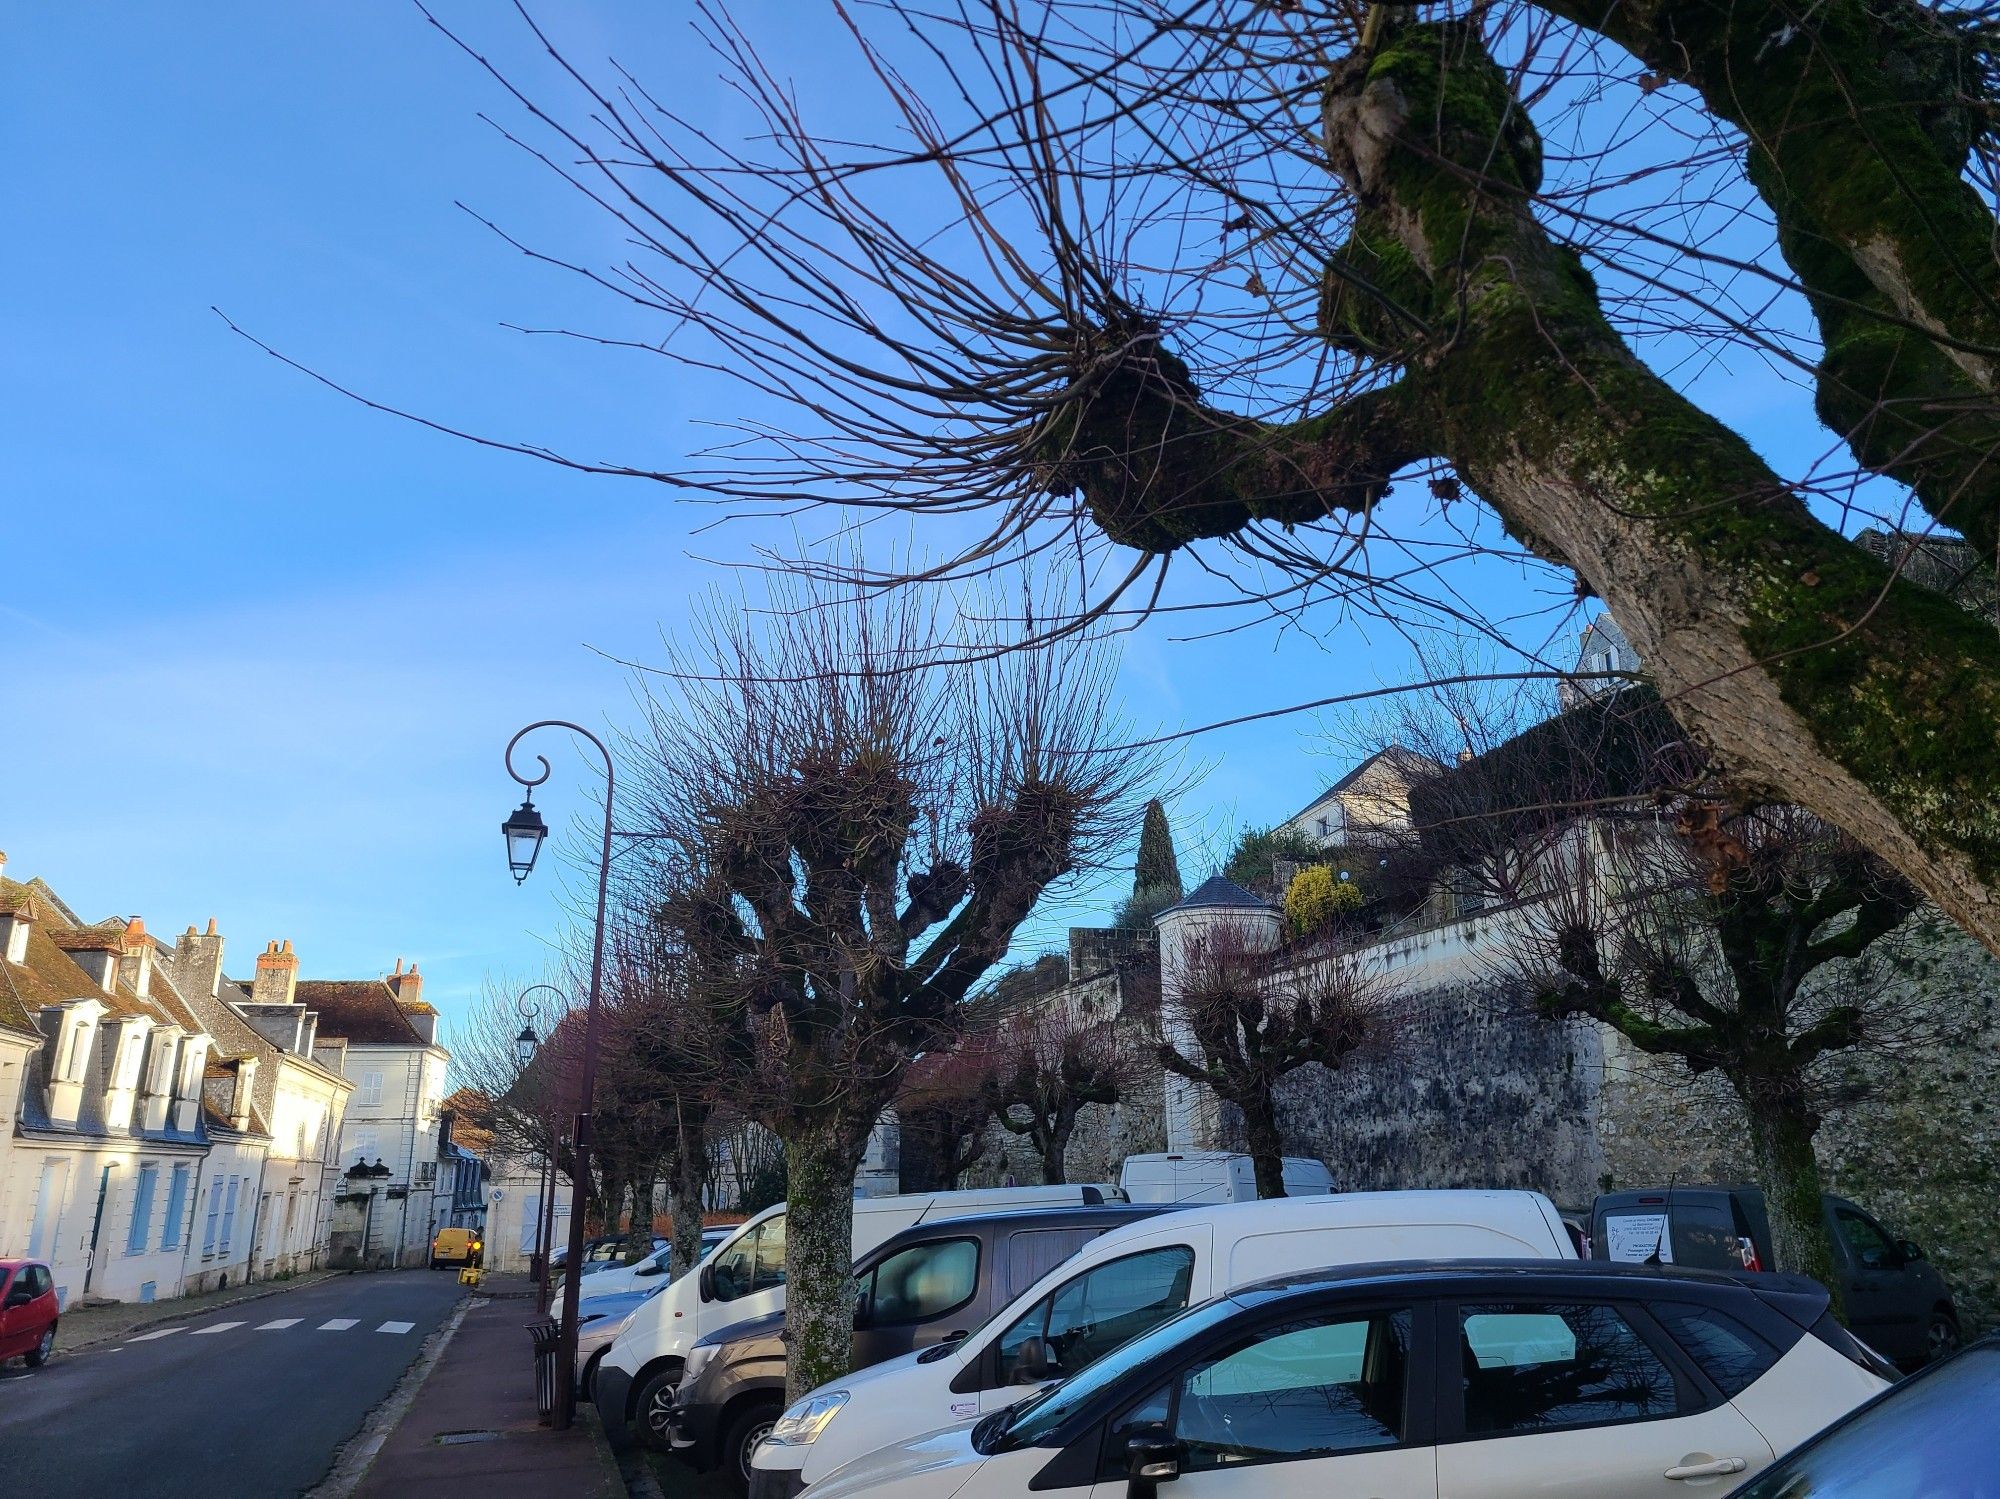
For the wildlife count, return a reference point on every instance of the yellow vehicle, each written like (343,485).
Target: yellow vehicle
(456,1246)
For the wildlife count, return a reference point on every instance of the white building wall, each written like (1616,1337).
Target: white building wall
(296,1198)
(218,1251)
(392,1116)
(514,1200)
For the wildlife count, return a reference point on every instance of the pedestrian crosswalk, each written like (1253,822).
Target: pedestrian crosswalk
(276,1324)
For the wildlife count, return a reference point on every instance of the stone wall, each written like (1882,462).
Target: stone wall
(1465,1092)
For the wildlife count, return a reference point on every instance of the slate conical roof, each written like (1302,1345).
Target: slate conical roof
(1219,891)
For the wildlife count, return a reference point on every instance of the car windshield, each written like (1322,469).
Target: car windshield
(1027,1423)
(1929,1439)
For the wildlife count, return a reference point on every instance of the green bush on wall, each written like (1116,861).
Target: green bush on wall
(1315,897)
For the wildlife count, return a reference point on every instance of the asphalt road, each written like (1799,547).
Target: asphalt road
(224,1406)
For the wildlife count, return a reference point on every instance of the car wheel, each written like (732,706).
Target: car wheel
(1941,1339)
(740,1442)
(39,1354)
(654,1410)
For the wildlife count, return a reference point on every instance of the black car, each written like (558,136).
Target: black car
(1897,1302)
(1934,1436)
(927,1286)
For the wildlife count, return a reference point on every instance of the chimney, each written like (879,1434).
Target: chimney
(96,952)
(198,961)
(407,987)
(277,975)
(16,917)
(239,1100)
(135,957)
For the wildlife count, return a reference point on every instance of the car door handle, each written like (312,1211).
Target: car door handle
(1720,1468)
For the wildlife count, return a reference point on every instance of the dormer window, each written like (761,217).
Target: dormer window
(78,1054)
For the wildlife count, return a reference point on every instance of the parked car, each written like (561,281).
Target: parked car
(28,1311)
(456,1246)
(650,1273)
(1123,1283)
(1562,1380)
(1213,1176)
(1934,1436)
(599,1321)
(745,1277)
(1897,1302)
(929,1285)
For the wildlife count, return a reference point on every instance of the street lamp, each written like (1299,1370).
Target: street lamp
(525,831)
(545,1203)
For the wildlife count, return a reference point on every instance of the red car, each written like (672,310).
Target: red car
(27,1311)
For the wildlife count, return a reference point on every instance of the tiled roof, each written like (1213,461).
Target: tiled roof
(1218,890)
(360,1011)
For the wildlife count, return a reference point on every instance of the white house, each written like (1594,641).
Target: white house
(300,1102)
(1370,804)
(111,1145)
(382,1037)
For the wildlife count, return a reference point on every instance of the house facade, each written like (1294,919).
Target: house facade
(1368,805)
(383,1038)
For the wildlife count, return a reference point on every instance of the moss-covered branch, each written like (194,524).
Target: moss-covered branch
(1860,117)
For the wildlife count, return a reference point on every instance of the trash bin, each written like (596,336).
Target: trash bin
(547,1335)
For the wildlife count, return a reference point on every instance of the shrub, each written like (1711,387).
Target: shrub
(1316,897)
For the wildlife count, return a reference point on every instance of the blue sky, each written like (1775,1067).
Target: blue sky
(267,645)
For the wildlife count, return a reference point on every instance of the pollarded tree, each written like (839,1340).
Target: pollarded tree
(1045,1067)
(854,824)
(943,1111)
(1400,279)
(1729,939)
(1257,1016)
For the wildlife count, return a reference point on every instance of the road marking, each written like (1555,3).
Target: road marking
(277,1324)
(396,1327)
(338,1324)
(147,1337)
(215,1327)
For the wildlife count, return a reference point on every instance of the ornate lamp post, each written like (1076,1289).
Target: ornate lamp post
(545,1200)
(525,831)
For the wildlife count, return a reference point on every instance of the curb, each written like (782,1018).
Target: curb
(618,1478)
(274,1288)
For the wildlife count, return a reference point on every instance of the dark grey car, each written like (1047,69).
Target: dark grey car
(1897,1302)
(931,1284)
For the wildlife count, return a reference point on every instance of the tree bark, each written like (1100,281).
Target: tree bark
(684,1197)
(1267,1151)
(1781,1141)
(819,1256)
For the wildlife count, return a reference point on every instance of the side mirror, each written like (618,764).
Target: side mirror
(863,1305)
(651,1267)
(707,1283)
(1151,1457)
(1034,1363)
(1911,1250)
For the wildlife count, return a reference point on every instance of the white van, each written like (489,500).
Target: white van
(744,1277)
(1119,1285)
(1214,1176)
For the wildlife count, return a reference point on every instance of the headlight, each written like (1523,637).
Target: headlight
(699,1358)
(801,1425)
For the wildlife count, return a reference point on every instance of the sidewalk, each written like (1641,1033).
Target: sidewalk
(86,1327)
(471,1425)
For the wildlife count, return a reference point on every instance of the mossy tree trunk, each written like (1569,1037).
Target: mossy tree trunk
(1819,677)
(820,1163)
(1267,1151)
(1782,1127)
(684,1193)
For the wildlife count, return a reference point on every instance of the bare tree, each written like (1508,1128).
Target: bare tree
(1257,1016)
(1202,280)
(856,831)
(1728,938)
(944,1109)
(1048,1063)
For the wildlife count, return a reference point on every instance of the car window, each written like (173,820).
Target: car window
(1089,1316)
(1305,1389)
(925,1280)
(1032,1253)
(1542,1367)
(1728,1352)
(755,1262)
(39,1280)
(1864,1240)
(1931,1438)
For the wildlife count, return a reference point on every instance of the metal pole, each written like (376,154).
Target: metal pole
(587,1081)
(545,1204)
